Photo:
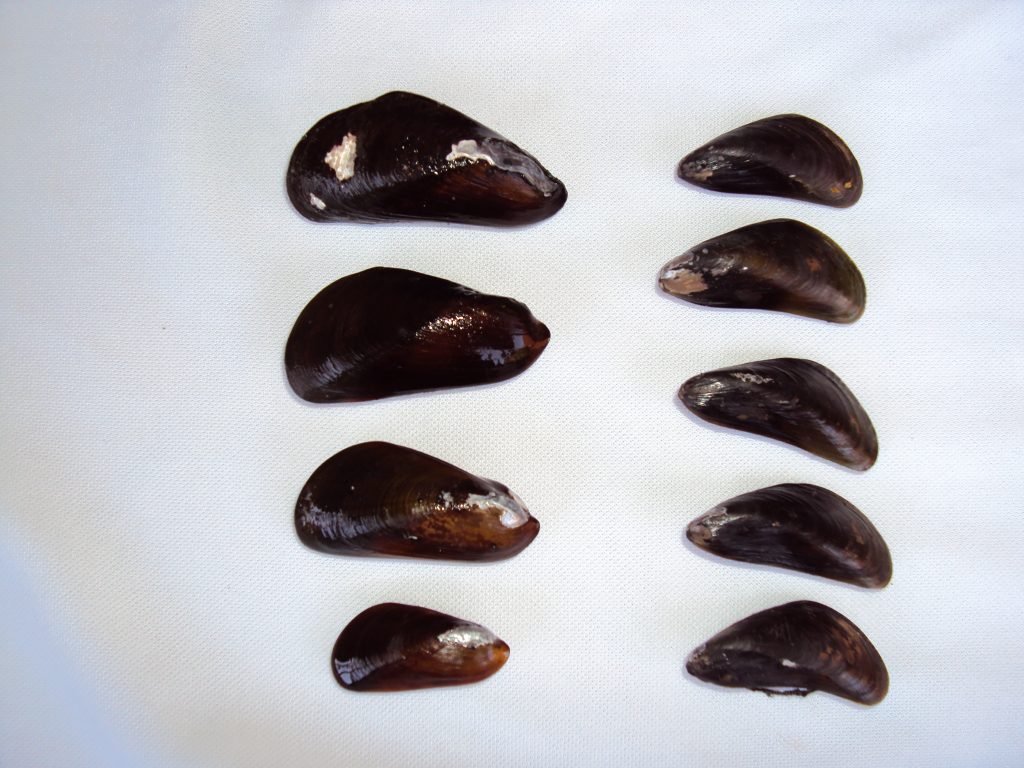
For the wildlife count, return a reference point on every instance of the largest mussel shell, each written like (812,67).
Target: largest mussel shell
(387,331)
(383,499)
(794,649)
(799,526)
(395,647)
(781,265)
(799,402)
(403,156)
(785,156)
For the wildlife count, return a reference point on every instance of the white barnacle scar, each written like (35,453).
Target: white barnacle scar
(467,636)
(468,149)
(752,378)
(684,281)
(342,158)
(511,509)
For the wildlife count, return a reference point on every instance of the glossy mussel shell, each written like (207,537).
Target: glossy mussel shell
(799,526)
(395,647)
(403,156)
(785,156)
(781,265)
(799,402)
(383,499)
(795,649)
(385,331)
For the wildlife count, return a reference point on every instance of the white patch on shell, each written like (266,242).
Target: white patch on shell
(680,280)
(467,636)
(702,175)
(753,378)
(789,664)
(342,158)
(511,508)
(513,511)
(705,392)
(317,202)
(715,519)
(495,356)
(722,267)
(468,149)
(515,515)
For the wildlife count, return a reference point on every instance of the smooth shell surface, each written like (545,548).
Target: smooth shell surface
(799,402)
(383,499)
(385,332)
(784,156)
(799,526)
(781,265)
(395,647)
(795,649)
(403,156)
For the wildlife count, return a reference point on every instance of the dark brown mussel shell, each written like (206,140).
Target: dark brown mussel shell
(794,649)
(799,402)
(784,156)
(799,526)
(395,647)
(403,156)
(383,499)
(782,265)
(384,332)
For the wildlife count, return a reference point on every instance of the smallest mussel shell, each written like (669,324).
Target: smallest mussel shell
(395,647)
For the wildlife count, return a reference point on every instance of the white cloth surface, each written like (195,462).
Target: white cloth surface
(157,607)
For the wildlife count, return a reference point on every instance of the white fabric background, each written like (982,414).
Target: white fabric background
(157,608)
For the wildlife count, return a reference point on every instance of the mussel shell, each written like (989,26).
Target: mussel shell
(785,156)
(403,156)
(781,265)
(384,332)
(395,647)
(799,402)
(383,499)
(796,648)
(799,526)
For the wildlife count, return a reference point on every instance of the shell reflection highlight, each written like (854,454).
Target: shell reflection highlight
(382,499)
(794,649)
(396,647)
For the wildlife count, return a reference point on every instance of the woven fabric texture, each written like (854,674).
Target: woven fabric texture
(158,609)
